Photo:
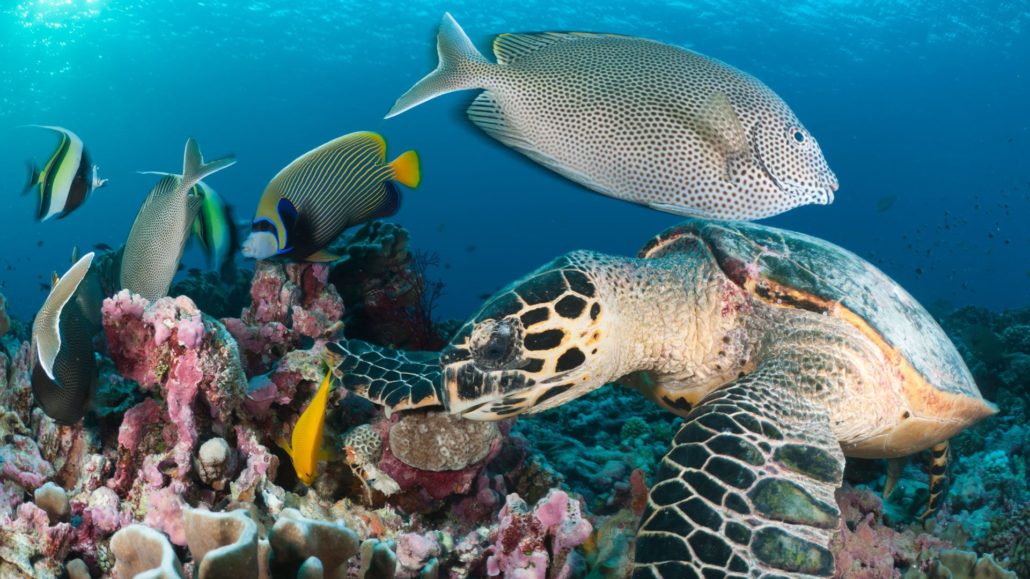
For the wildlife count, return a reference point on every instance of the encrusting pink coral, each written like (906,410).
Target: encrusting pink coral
(288,301)
(528,543)
(21,463)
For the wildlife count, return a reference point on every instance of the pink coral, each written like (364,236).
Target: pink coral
(287,301)
(414,552)
(528,543)
(872,550)
(192,360)
(164,513)
(261,465)
(21,463)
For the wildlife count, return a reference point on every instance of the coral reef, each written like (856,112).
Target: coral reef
(385,288)
(288,302)
(175,470)
(5,321)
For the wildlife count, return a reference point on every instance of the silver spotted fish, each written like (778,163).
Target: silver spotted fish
(163,224)
(341,183)
(64,369)
(636,119)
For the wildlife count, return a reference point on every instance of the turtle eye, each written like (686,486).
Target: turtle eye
(495,344)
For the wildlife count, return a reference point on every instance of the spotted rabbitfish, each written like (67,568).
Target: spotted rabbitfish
(636,119)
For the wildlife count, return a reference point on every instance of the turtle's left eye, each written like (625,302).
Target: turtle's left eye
(495,343)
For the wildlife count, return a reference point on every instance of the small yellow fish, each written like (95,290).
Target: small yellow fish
(305,446)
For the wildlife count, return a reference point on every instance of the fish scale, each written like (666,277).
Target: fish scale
(638,120)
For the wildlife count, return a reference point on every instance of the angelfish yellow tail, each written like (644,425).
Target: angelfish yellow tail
(406,170)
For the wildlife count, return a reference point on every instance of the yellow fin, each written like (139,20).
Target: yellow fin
(406,170)
(322,256)
(54,278)
(307,433)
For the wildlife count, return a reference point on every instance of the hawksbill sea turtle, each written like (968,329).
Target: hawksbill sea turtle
(784,353)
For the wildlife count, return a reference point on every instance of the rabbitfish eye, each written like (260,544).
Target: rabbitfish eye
(495,343)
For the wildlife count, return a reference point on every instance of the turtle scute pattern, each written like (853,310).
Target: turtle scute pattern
(747,486)
(397,379)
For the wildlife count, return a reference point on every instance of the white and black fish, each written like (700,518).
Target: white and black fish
(636,119)
(67,178)
(64,369)
(163,225)
(339,184)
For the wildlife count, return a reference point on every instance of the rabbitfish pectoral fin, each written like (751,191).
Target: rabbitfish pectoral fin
(720,126)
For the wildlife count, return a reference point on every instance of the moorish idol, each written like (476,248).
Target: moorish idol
(67,178)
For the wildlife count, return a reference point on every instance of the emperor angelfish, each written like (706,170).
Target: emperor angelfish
(636,119)
(66,180)
(342,183)
(64,368)
(163,224)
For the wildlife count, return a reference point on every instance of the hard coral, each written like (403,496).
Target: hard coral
(384,286)
(528,543)
(289,301)
(143,552)
(439,441)
(224,545)
(1009,540)
(190,360)
(294,539)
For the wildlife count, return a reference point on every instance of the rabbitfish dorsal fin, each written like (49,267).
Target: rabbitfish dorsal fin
(510,47)
(194,168)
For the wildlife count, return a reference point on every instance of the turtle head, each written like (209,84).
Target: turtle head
(532,346)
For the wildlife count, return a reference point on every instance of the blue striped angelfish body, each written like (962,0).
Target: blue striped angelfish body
(316,197)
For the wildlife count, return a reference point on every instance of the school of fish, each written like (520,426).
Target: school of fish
(627,117)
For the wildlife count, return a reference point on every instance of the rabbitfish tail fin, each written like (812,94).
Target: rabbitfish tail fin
(193,167)
(461,67)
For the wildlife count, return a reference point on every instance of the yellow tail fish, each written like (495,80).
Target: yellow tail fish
(305,446)
(316,197)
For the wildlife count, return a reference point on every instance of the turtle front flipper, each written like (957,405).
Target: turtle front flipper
(396,379)
(747,486)
(895,468)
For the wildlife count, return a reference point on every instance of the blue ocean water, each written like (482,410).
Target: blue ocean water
(920,109)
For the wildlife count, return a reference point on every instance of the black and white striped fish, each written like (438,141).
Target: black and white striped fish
(64,369)
(342,183)
(67,178)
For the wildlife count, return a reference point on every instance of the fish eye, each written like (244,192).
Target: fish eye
(798,135)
